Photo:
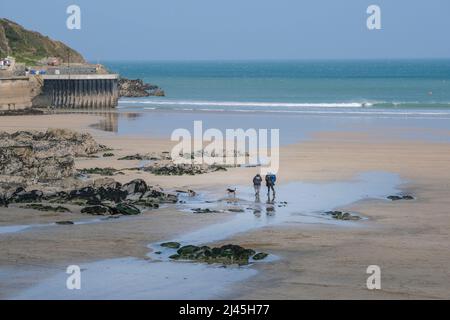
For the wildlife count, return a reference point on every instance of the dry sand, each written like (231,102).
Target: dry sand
(409,240)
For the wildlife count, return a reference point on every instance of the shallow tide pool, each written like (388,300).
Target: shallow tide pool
(159,278)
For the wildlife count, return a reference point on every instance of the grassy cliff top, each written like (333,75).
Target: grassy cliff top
(29,46)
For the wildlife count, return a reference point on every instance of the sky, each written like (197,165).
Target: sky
(241,29)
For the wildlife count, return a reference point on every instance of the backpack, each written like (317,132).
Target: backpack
(273,178)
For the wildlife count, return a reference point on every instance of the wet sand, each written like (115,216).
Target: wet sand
(409,240)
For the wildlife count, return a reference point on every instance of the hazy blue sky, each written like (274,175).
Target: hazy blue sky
(241,29)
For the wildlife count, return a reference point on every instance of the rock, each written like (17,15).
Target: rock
(112,194)
(339,215)
(87,195)
(43,156)
(4,201)
(236,210)
(148,202)
(22,196)
(103,196)
(137,88)
(205,210)
(135,186)
(161,195)
(158,93)
(100,171)
(187,250)
(132,157)
(228,254)
(108,154)
(172,245)
(134,197)
(126,209)
(171,169)
(401,197)
(107,183)
(96,210)
(260,256)
(65,223)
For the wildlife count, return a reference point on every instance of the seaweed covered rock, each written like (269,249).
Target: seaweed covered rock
(227,254)
(103,197)
(135,186)
(126,209)
(260,256)
(65,223)
(339,215)
(180,169)
(23,196)
(171,245)
(99,171)
(96,210)
(400,197)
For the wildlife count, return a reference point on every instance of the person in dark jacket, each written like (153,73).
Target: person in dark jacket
(270,183)
(257,184)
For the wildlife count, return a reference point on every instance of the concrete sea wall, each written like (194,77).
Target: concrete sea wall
(79,91)
(15,93)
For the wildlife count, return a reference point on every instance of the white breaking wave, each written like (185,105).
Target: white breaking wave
(249,104)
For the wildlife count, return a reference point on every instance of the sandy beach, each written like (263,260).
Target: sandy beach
(407,239)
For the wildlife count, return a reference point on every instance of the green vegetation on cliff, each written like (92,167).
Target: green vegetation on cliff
(29,47)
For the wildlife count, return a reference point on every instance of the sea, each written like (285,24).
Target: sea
(298,97)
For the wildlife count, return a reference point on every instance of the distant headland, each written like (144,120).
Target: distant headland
(39,72)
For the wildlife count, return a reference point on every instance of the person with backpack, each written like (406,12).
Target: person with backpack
(257,184)
(270,184)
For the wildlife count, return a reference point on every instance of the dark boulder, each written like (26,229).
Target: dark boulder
(135,186)
(110,194)
(171,245)
(4,202)
(22,196)
(96,210)
(339,215)
(126,209)
(41,207)
(228,254)
(65,223)
(205,210)
(401,197)
(260,256)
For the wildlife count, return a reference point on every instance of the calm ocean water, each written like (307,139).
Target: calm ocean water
(299,97)
(303,86)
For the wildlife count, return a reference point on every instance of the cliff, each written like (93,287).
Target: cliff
(29,46)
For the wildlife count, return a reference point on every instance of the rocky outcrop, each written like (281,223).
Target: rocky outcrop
(137,88)
(103,197)
(43,156)
(227,254)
